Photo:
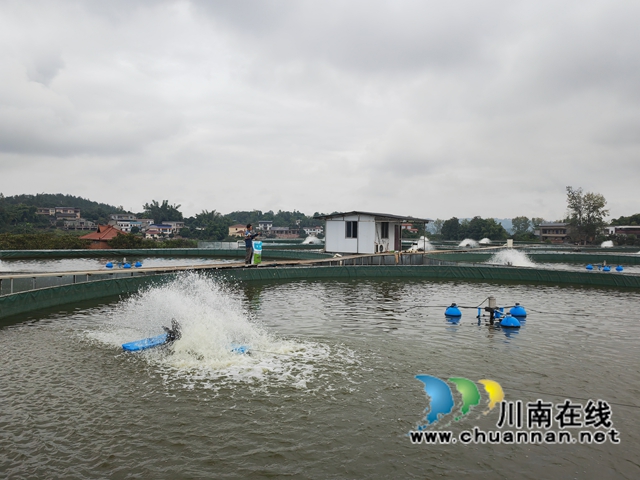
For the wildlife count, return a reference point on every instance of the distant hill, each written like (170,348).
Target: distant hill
(57,200)
(94,211)
(506,223)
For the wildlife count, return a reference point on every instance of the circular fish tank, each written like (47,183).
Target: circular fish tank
(332,387)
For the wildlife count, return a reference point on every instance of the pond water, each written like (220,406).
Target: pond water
(328,391)
(82,264)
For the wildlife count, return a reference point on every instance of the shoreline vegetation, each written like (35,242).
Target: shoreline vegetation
(24,227)
(53,241)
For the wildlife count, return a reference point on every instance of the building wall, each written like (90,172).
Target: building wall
(388,244)
(335,240)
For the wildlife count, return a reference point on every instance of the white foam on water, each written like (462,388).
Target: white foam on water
(607,244)
(511,257)
(212,319)
(485,241)
(468,242)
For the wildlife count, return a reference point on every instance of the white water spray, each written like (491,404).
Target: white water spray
(421,244)
(485,241)
(312,240)
(511,257)
(212,319)
(607,244)
(468,242)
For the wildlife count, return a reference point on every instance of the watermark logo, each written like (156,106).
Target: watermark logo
(534,422)
(441,401)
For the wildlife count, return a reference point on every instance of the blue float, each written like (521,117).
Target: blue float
(163,339)
(619,268)
(509,322)
(126,265)
(240,349)
(145,343)
(452,311)
(606,268)
(518,311)
(138,264)
(109,265)
(589,267)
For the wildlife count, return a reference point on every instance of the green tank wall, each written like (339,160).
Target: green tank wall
(546,257)
(21,303)
(441,272)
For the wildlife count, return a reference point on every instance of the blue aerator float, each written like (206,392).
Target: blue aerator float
(453,311)
(518,311)
(171,335)
(509,322)
(619,268)
(138,264)
(453,314)
(589,267)
(109,265)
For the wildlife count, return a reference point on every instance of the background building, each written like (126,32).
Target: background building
(556,232)
(365,232)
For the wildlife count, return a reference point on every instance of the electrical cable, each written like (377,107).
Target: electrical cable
(572,397)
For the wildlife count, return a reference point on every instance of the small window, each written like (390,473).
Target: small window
(351,229)
(384,230)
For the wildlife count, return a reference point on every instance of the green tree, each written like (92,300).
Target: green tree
(585,213)
(536,222)
(630,220)
(127,240)
(437,226)
(478,228)
(207,226)
(162,212)
(520,225)
(451,229)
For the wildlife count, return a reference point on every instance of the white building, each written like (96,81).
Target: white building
(365,232)
(127,225)
(175,226)
(265,225)
(122,216)
(317,230)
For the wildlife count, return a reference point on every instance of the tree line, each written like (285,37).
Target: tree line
(586,213)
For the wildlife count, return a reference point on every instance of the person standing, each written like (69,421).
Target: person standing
(248,243)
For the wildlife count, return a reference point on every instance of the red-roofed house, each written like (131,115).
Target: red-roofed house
(100,238)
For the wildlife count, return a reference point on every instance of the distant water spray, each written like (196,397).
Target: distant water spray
(511,257)
(485,241)
(468,242)
(312,240)
(422,244)
(607,244)
(212,318)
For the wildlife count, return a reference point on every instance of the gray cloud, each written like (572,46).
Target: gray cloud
(429,108)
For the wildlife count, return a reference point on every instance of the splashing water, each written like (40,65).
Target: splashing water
(485,241)
(468,242)
(607,244)
(511,257)
(421,244)
(312,240)
(212,318)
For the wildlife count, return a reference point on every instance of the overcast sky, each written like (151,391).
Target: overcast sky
(426,108)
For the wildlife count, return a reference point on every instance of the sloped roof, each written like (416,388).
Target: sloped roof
(104,232)
(382,217)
